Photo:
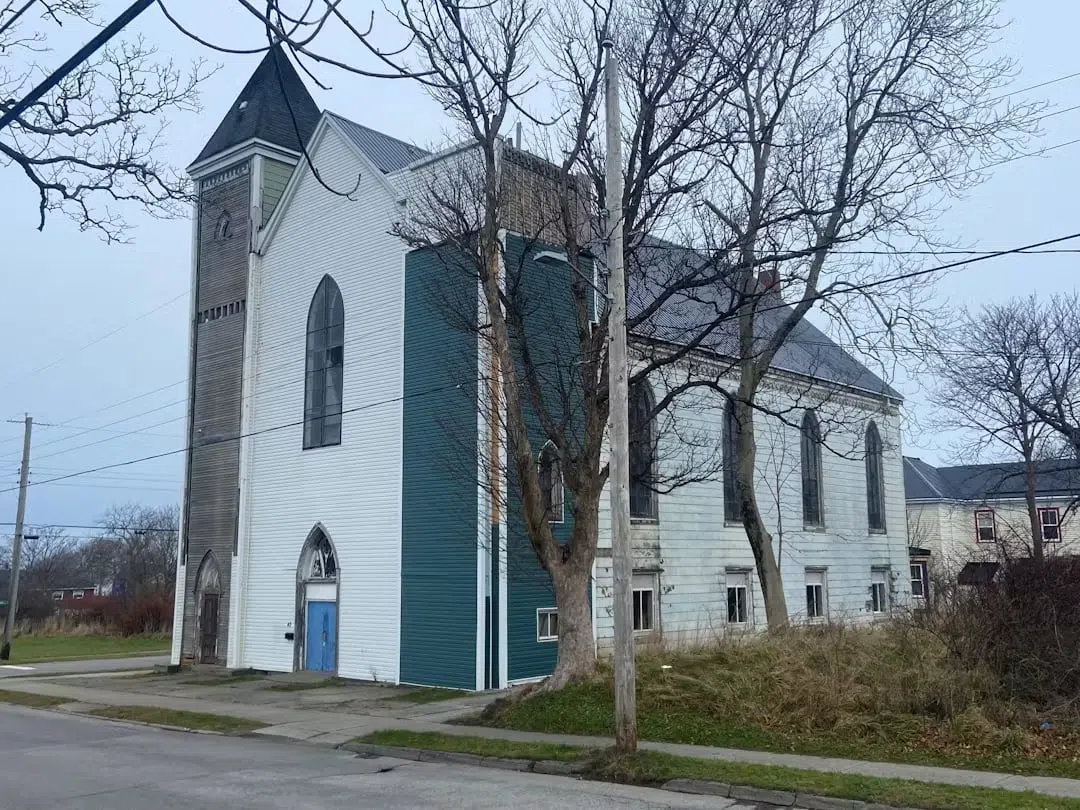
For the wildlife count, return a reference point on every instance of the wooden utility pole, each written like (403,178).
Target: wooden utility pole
(619,463)
(16,546)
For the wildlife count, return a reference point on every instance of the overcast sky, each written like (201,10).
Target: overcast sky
(63,290)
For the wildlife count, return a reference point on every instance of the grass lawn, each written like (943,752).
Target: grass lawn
(31,700)
(172,717)
(648,768)
(885,695)
(430,695)
(34,649)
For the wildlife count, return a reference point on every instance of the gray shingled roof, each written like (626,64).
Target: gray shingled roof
(658,265)
(985,482)
(388,154)
(260,110)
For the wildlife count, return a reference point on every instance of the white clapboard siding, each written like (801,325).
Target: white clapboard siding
(693,548)
(354,489)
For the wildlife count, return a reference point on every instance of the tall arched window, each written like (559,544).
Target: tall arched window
(324,377)
(875,490)
(730,438)
(642,452)
(811,470)
(551,482)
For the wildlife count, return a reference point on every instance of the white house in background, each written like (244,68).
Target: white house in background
(978,514)
(337,514)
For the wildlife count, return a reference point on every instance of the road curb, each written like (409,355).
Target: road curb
(763,797)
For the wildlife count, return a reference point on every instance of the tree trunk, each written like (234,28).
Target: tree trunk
(1033,509)
(577,646)
(772,584)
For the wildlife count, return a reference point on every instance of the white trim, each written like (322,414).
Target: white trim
(592,588)
(316,591)
(548,611)
(484,504)
(238,153)
(523,681)
(551,255)
(504,543)
(427,160)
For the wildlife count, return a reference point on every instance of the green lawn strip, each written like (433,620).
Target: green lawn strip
(30,699)
(648,767)
(173,717)
(651,768)
(481,746)
(431,695)
(36,649)
(587,709)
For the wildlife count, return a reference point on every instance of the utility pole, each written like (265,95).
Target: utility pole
(618,395)
(16,546)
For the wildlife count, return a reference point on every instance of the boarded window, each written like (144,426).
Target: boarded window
(730,438)
(325,365)
(811,470)
(875,493)
(549,469)
(642,452)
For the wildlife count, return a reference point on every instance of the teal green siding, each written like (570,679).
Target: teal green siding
(543,290)
(439,475)
(275,177)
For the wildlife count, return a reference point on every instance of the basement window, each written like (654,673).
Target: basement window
(547,624)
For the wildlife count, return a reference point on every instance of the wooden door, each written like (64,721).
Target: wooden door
(208,629)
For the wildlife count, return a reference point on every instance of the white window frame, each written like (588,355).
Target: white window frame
(78,594)
(922,579)
(822,582)
(879,583)
(640,584)
(1056,512)
(993,526)
(58,596)
(543,624)
(739,579)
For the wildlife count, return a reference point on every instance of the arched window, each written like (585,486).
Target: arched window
(319,561)
(223,229)
(811,470)
(730,438)
(551,482)
(875,491)
(324,375)
(642,452)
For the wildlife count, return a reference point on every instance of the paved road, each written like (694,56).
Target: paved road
(86,665)
(65,762)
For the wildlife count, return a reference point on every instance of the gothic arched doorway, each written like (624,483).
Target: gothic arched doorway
(207,609)
(317,604)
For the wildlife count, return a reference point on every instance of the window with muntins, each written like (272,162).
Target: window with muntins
(738,598)
(644,598)
(985,526)
(325,366)
(875,493)
(549,469)
(815,596)
(811,470)
(1050,518)
(919,583)
(642,452)
(547,624)
(730,437)
(879,593)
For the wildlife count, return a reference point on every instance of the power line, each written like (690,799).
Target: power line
(213,442)
(98,526)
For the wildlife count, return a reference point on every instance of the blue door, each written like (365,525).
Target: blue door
(321,635)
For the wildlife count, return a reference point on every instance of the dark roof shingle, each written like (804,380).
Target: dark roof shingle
(983,482)
(273,97)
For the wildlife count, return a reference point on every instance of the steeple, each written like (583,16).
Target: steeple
(273,98)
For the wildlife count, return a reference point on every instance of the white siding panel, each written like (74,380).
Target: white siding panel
(693,547)
(354,489)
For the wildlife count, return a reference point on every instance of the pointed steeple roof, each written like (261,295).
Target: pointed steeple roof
(262,110)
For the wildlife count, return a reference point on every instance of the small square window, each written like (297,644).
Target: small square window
(985,526)
(738,598)
(547,624)
(1050,518)
(879,592)
(57,595)
(816,608)
(76,594)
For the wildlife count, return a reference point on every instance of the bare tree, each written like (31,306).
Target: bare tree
(761,137)
(142,541)
(986,373)
(95,139)
(49,559)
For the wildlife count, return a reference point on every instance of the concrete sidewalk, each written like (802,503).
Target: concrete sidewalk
(334,728)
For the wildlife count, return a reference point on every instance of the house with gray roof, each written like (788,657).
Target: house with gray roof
(977,513)
(348,505)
